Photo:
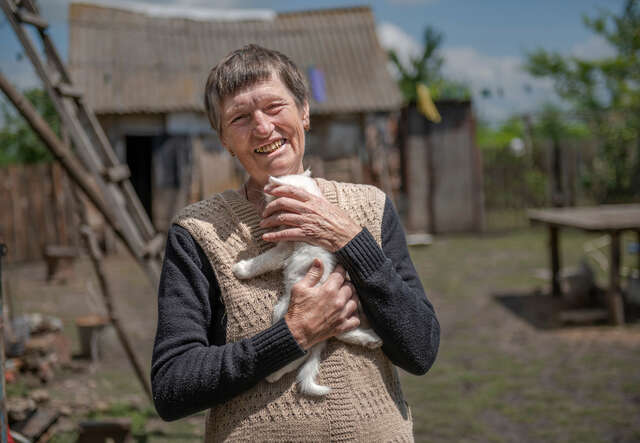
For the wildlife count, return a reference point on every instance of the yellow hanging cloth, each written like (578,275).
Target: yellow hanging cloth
(426,105)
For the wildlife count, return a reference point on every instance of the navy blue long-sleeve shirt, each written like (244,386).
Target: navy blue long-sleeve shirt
(193,368)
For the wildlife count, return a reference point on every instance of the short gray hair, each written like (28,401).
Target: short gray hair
(245,67)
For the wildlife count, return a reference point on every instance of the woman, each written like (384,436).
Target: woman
(215,343)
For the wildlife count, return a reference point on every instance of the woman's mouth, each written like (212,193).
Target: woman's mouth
(267,149)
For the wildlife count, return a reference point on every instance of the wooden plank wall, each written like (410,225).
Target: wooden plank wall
(36,210)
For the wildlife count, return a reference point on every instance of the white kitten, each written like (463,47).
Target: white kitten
(296,258)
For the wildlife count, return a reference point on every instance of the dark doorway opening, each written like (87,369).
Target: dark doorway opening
(139,155)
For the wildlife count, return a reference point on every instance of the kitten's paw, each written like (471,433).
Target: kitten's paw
(272,378)
(314,390)
(242,269)
(374,344)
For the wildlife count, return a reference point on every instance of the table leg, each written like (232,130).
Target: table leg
(638,249)
(614,296)
(554,241)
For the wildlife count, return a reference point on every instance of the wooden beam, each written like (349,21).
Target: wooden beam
(62,154)
(68,91)
(154,247)
(118,173)
(32,19)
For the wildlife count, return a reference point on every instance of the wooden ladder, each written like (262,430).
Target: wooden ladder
(91,144)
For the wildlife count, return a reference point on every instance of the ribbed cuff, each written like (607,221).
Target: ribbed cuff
(361,256)
(275,347)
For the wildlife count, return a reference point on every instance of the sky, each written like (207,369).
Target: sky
(484,40)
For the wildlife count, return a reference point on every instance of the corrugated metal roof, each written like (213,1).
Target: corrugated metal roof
(129,62)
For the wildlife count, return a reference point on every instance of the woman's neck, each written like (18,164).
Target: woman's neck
(254,194)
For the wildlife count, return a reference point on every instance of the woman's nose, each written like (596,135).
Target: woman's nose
(262,124)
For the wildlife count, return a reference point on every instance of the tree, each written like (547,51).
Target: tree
(18,142)
(605,94)
(427,69)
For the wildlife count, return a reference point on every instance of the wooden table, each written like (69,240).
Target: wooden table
(608,219)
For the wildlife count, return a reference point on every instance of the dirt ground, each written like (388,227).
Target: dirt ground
(502,374)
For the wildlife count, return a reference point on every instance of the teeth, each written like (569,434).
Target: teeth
(270,147)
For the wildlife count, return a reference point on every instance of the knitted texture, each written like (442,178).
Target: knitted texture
(365,403)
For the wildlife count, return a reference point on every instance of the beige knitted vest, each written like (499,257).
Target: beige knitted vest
(365,403)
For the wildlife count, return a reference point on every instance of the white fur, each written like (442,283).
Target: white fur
(296,258)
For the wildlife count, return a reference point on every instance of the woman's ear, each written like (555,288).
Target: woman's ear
(305,116)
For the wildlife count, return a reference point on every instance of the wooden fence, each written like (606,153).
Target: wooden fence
(36,210)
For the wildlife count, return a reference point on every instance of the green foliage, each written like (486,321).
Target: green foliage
(517,179)
(426,68)
(18,142)
(489,138)
(605,94)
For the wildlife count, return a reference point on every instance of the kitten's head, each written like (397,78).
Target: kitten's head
(303,181)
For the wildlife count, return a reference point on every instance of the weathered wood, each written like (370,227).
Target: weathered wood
(39,422)
(75,171)
(68,91)
(118,173)
(638,249)
(4,423)
(105,289)
(591,218)
(48,210)
(19,215)
(27,17)
(614,296)
(554,249)
(123,207)
(154,247)
(116,430)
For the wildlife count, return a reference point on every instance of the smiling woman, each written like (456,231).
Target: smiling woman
(215,341)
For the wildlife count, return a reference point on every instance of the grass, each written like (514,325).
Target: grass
(496,379)
(499,379)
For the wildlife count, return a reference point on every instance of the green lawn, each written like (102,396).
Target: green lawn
(497,377)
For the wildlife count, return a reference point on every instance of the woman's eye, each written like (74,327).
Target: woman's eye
(239,118)
(274,107)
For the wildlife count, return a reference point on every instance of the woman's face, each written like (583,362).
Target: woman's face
(264,128)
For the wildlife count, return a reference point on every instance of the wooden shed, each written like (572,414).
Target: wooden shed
(144,76)
(442,170)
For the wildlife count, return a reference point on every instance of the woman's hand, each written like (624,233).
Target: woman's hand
(317,313)
(307,218)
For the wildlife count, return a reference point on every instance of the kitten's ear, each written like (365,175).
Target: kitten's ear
(307,173)
(276,181)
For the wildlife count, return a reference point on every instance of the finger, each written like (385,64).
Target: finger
(291,234)
(350,309)
(288,191)
(352,288)
(314,274)
(284,204)
(335,280)
(349,324)
(347,290)
(282,219)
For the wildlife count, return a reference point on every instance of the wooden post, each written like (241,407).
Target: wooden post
(76,172)
(554,248)
(614,297)
(105,290)
(638,250)
(3,400)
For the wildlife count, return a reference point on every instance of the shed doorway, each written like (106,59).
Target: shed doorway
(139,159)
